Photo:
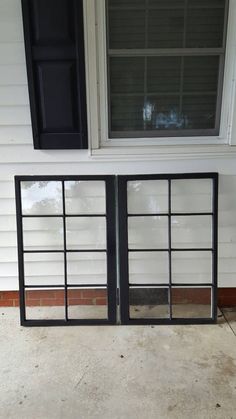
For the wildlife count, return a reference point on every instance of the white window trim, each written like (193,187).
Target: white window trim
(150,148)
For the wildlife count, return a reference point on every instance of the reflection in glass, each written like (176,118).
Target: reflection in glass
(85,197)
(190,303)
(41,198)
(191,195)
(45,304)
(149,267)
(86,268)
(87,303)
(148,197)
(43,233)
(191,231)
(191,267)
(44,268)
(152,303)
(148,232)
(86,233)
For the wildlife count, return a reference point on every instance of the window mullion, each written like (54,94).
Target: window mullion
(159,52)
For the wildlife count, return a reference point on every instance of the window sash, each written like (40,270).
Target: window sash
(168,52)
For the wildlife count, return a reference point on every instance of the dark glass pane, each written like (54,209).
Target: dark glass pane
(200,111)
(177,91)
(163,74)
(205,26)
(161,24)
(149,303)
(201,74)
(126,29)
(163,113)
(206,3)
(165,28)
(127,113)
(127,75)
(126,3)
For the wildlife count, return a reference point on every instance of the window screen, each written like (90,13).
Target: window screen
(165,66)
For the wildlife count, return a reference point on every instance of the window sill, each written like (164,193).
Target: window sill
(163,152)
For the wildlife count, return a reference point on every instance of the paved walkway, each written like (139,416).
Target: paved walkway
(120,372)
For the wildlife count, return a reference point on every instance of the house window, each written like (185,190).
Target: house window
(165,67)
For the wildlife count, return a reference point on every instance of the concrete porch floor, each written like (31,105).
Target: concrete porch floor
(120,372)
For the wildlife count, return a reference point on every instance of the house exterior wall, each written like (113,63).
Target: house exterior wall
(17,157)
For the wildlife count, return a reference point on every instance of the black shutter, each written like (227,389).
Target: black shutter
(54,45)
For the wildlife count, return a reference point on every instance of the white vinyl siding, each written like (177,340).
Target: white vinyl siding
(17,157)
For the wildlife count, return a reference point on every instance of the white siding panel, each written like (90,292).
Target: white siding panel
(15,134)
(10,9)
(7,207)
(8,269)
(14,95)
(13,75)
(9,283)
(10,30)
(14,115)
(8,254)
(8,239)
(8,223)
(12,53)
(7,189)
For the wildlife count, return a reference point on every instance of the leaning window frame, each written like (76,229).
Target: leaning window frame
(97,96)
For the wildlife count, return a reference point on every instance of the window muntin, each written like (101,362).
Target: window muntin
(165,67)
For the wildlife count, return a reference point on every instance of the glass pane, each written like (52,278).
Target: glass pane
(126,28)
(154,93)
(86,233)
(191,231)
(164,4)
(127,113)
(127,75)
(166,24)
(126,3)
(41,198)
(191,303)
(165,27)
(147,196)
(85,197)
(148,268)
(163,75)
(152,303)
(163,113)
(205,24)
(200,111)
(148,232)
(163,102)
(86,268)
(191,195)
(201,75)
(87,303)
(45,304)
(191,267)
(43,233)
(44,269)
